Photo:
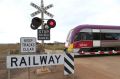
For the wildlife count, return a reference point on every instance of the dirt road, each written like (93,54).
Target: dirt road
(106,67)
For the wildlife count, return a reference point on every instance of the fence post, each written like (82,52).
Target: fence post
(8,69)
(28,73)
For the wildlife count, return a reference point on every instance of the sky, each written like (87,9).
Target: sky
(15,17)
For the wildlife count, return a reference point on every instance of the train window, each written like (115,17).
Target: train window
(83,36)
(96,36)
(110,36)
(118,36)
(77,37)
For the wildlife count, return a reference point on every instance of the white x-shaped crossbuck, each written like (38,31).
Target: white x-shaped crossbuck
(41,10)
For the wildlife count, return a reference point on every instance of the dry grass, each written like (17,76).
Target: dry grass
(15,48)
(54,46)
(5,48)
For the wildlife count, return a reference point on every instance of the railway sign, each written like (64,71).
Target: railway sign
(42,10)
(22,61)
(43,34)
(28,44)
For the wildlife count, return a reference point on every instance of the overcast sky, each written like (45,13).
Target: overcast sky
(15,17)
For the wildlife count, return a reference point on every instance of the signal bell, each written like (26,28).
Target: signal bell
(36,22)
(51,23)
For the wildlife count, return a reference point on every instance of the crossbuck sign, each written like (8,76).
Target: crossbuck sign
(42,10)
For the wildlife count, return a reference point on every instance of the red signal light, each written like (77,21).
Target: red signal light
(51,23)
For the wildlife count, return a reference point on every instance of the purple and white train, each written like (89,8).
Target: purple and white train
(94,39)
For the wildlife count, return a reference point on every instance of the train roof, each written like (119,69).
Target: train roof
(80,27)
(87,26)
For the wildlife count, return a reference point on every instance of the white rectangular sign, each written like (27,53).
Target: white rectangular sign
(28,44)
(22,61)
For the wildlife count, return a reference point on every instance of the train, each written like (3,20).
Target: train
(93,39)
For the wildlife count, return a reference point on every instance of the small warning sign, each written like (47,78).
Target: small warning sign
(28,44)
(43,34)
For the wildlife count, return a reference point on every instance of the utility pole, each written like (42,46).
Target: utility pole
(42,17)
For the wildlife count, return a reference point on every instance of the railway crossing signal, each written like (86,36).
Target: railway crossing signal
(36,22)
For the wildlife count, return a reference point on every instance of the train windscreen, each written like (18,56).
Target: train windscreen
(83,36)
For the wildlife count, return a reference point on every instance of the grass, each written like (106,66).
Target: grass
(15,48)
(54,46)
(5,48)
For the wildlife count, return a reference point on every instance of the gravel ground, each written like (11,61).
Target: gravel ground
(106,67)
